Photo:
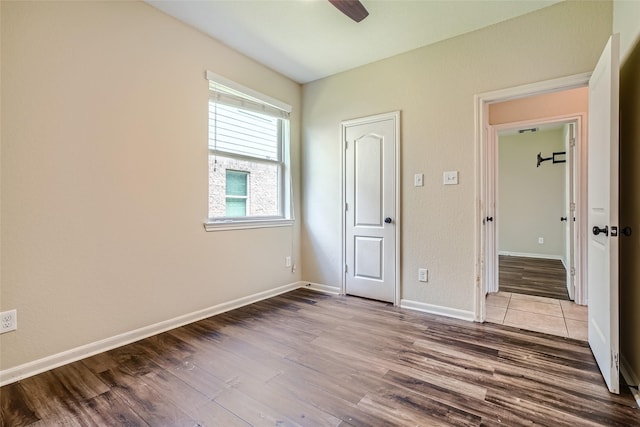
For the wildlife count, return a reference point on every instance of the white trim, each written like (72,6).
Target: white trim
(481,102)
(216,78)
(245,225)
(531,255)
(325,289)
(538,88)
(395,115)
(438,310)
(25,370)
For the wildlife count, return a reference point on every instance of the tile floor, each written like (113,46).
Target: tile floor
(548,315)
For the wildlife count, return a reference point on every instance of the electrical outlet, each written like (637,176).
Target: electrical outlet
(423,275)
(287,261)
(541,240)
(8,321)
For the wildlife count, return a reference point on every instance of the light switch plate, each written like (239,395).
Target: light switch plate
(450,177)
(418,180)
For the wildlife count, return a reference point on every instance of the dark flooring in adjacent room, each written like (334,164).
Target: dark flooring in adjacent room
(311,359)
(533,276)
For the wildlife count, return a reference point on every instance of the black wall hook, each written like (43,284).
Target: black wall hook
(553,158)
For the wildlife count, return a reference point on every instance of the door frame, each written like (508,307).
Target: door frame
(395,116)
(580,120)
(485,160)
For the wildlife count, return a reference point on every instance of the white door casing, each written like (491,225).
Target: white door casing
(491,202)
(602,273)
(371,211)
(570,214)
(486,174)
(491,219)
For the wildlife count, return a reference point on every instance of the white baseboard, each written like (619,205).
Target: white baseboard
(531,255)
(35,367)
(437,309)
(334,290)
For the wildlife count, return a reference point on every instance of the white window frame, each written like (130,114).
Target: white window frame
(285,190)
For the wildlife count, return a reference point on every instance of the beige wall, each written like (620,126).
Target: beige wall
(104,175)
(434,87)
(530,198)
(627,22)
(573,101)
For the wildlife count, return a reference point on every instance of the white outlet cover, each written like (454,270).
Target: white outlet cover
(9,321)
(450,178)
(418,180)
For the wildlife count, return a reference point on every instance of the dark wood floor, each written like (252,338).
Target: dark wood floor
(533,276)
(311,359)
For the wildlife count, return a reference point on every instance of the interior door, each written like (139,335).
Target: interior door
(370,208)
(489,221)
(602,272)
(570,215)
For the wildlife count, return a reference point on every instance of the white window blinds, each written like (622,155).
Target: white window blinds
(235,130)
(242,124)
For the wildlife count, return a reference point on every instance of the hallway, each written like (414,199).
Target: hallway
(551,316)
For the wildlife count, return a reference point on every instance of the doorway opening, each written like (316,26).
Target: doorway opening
(535,225)
(526,222)
(596,218)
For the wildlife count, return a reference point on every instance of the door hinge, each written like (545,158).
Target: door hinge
(573,271)
(346,207)
(614,361)
(346,144)
(572,142)
(346,268)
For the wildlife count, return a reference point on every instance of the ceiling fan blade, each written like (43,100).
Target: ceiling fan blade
(352,8)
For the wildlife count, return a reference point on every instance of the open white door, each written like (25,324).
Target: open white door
(602,271)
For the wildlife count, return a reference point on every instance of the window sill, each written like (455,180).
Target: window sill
(245,225)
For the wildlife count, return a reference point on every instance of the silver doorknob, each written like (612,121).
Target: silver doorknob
(387,220)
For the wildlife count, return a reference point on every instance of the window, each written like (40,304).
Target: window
(249,182)
(236,193)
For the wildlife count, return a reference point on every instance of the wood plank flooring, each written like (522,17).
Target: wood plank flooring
(533,276)
(310,359)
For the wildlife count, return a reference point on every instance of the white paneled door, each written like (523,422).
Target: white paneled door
(370,206)
(602,273)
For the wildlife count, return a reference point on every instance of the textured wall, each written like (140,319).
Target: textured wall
(562,103)
(434,87)
(104,175)
(530,198)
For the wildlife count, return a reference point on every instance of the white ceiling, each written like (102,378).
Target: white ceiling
(310,39)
